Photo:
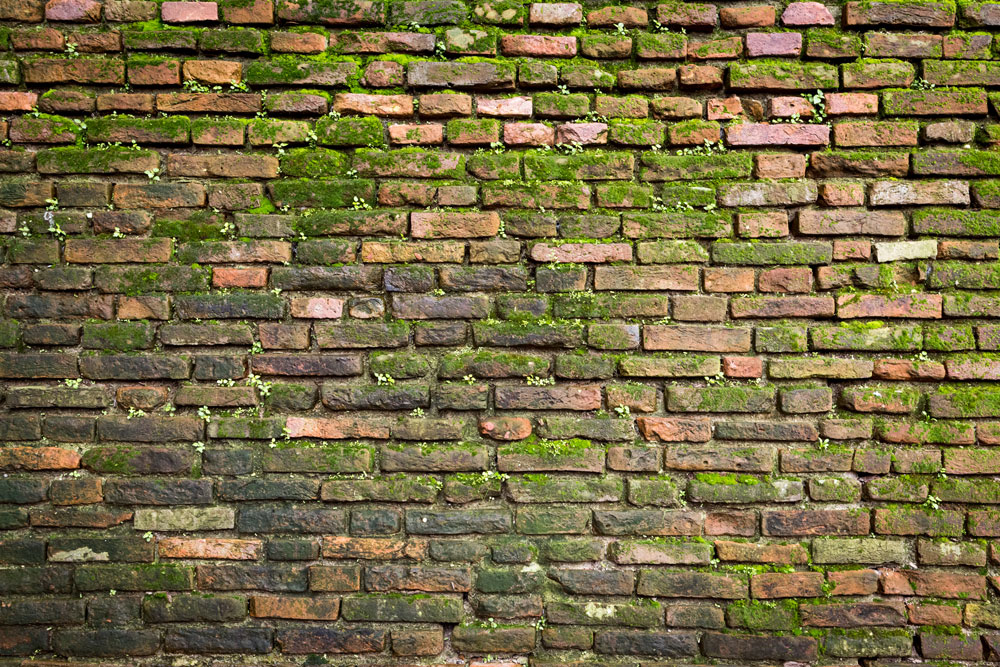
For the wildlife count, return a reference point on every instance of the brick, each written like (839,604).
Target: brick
(189,12)
(753,134)
(806,14)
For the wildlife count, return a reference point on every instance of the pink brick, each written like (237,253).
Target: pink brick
(841,104)
(317,307)
(849,250)
(763,224)
(528,134)
(724,109)
(512,107)
(582,133)
(785,279)
(189,12)
(380,74)
(842,194)
(416,134)
(773,44)
(787,106)
(396,106)
(781,165)
(743,367)
(538,45)
(807,13)
(79,11)
(594,253)
(555,13)
(763,134)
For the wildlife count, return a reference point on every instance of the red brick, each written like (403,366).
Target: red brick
(295,608)
(780,165)
(210,548)
(410,135)
(534,46)
(38,458)
(747,17)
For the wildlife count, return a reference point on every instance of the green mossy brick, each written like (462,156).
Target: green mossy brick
(782,75)
(118,336)
(554,105)
(233,41)
(110,160)
(286,70)
(721,399)
(762,254)
(658,166)
(333,193)
(585,166)
(134,577)
(636,133)
(111,129)
(409,163)
(764,615)
(364,131)
(315,163)
(488,364)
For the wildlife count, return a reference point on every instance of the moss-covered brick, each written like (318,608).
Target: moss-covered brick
(135,281)
(952,222)
(286,70)
(333,193)
(960,400)
(957,101)
(782,75)
(554,105)
(486,363)
(112,160)
(145,577)
(409,163)
(872,74)
(584,75)
(772,253)
(125,129)
(319,163)
(665,167)
(587,166)
(721,399)
(866,337)
(121,336)
(232,41)
(675,225)
(365,131)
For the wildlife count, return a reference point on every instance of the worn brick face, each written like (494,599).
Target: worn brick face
(419,332)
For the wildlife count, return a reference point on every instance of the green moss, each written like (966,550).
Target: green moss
(726,479)
(548,449)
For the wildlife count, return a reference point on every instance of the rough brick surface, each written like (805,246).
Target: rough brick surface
(490,332)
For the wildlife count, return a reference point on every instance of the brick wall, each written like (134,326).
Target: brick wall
(433,332)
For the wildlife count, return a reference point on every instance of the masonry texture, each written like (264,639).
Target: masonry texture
(356,332)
